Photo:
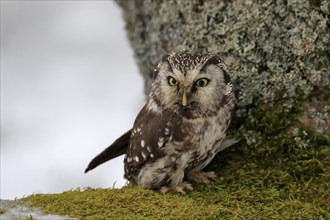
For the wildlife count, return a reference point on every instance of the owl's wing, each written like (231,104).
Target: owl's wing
(116,149)
(149,138)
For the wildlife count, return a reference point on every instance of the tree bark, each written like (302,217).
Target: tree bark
(277,51)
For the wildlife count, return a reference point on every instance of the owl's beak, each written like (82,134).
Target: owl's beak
(184,99)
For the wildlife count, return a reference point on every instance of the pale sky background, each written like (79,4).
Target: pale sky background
(69,88)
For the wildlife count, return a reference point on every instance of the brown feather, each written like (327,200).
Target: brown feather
(119,147)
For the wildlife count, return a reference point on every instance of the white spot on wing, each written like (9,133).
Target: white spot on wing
(133,133)
(144,155)
(142,143)
(129,159)
(149,148)
(160,142)
(136,158)
(167,131)
(151,155)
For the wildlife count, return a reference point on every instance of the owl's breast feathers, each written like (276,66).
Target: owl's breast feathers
(173,135)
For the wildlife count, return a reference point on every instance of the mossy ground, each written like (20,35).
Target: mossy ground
(276,181)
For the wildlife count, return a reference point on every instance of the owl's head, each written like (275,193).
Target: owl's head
(190,82)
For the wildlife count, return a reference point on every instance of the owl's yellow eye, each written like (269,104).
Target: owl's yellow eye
(171,81)
(202,82)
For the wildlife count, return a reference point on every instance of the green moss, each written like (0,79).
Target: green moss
(282,179)
(286,177)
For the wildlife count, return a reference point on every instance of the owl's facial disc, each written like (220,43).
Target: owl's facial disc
(190,85)
(184,89)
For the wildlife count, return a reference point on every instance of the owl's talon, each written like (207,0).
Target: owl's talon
(182,188)
(164,189)
(202,177)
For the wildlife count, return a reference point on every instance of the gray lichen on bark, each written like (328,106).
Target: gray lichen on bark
(277,51)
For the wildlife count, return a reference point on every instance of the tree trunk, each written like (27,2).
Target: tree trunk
(277,51)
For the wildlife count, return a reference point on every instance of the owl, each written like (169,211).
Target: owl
(181,127)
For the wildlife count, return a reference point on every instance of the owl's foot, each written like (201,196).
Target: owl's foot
(182,188)
(202,177)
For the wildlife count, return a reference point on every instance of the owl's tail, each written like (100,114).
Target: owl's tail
(227,142)
(116,149)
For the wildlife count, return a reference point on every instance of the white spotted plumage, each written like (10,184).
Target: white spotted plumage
(182,125)
(160,142)
(188,134)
